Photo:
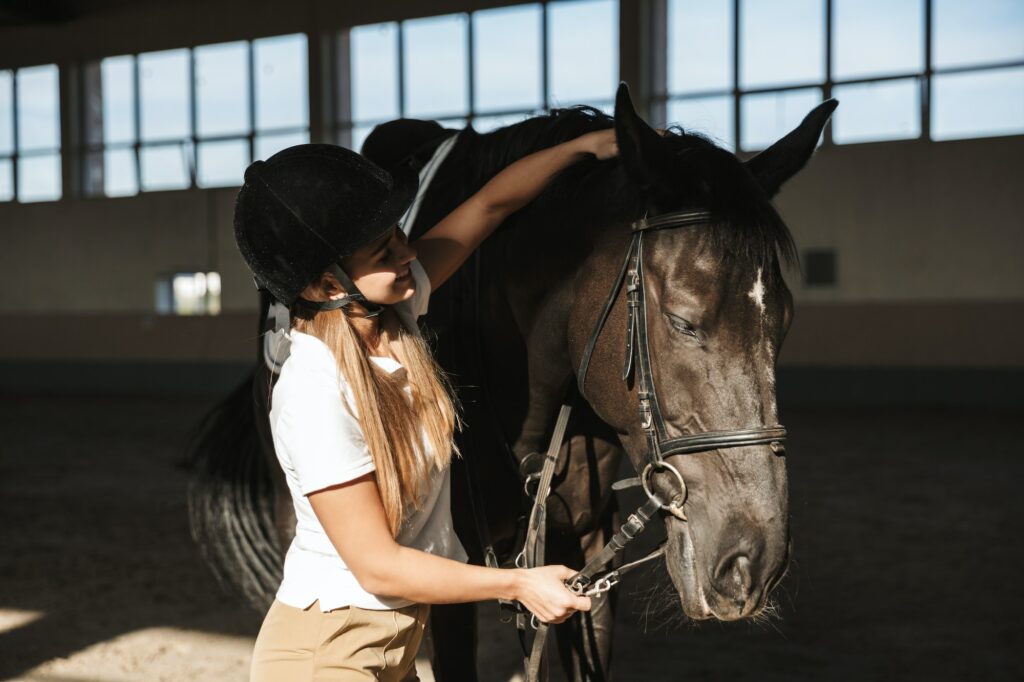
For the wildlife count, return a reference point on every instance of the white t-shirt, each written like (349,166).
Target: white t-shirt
(319,444)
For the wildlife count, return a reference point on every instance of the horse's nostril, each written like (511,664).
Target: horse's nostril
(733,577)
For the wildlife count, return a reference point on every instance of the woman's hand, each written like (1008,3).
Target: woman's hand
(600,143)
(543,592)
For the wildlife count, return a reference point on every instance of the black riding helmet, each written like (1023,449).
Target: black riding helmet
(308,206)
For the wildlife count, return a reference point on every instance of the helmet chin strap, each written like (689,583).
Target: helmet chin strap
(372,309)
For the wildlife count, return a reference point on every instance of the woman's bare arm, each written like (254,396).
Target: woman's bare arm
(444,247)
(353,517)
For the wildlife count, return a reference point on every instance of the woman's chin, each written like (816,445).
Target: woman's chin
(404,289)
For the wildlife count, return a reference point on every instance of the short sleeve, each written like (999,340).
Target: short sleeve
(324,443)
(418,302)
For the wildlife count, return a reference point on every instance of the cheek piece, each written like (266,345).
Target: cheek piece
(372,309)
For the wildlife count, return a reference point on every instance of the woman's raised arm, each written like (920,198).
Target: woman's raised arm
(444,247)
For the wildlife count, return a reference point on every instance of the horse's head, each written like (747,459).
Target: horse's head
(717,310)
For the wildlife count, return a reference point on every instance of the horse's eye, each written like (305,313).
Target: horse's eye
(687,328)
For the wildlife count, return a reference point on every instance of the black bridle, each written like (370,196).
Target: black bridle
(659,446)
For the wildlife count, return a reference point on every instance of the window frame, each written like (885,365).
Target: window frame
(344,122)
(93,185)
(662,95)
(17,153)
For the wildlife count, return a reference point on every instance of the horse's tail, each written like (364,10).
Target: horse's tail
(231,499)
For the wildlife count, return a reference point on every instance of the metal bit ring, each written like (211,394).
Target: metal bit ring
(675,507)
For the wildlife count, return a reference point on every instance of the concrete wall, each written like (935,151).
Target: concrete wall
(929,236)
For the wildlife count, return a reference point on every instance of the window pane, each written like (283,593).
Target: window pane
(268,145)
(435,66)
(117,82)
(189,293)
(485,124)
(119,175)
(977,32)
(978,104)
(6,180)
(222,164)
(359,134)
(781,42)
(887,110)
(282,95)
(583,51)
(222,89)
(452,123)
(710,116)
(6,112)
(374,72)
(164,98)
(699,45)
(38,109)
(165,167)
(895,29)
(39,178)
(765,117)
(507,58)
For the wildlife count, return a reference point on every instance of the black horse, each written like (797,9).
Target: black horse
(511,327)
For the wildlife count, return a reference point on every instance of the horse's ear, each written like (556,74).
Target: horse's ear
(639,145)
(777,164)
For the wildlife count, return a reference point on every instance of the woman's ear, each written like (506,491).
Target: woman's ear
(331,287)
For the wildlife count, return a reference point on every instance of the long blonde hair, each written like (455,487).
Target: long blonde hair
(393,426)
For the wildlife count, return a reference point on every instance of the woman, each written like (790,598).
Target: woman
(362,417)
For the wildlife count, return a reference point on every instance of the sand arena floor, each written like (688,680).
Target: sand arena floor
(908,556)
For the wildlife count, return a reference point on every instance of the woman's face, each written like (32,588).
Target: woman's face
(381,269)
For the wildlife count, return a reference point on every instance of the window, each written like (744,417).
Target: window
(700,68)
(872,55)
(877,110)
(504,84)
(977,33)
(978,104)
(435,62)
(767,116)
(583,50)
(877,38)
(782,42)
(30,151)
(709,116)
(188,293)
(192,117)
(977,86)
(492,67)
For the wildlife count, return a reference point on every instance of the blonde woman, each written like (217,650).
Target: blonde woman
(362,417)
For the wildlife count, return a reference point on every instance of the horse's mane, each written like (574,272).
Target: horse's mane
(746,226)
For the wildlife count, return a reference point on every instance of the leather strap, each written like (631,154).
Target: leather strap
(588,351)
(533,550)
(716,440)
(631,527)
(373,309)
